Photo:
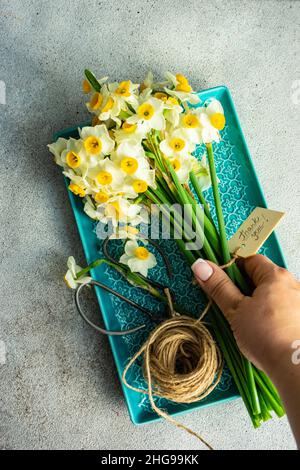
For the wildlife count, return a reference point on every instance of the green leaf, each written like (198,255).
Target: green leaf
(92,80)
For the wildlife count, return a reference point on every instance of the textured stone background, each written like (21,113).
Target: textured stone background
(58,388)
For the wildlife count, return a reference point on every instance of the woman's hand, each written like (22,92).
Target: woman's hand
(266,325)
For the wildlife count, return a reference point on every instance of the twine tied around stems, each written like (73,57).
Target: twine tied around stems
(182,362)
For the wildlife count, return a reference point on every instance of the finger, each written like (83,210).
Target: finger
(259,268)
(215,282)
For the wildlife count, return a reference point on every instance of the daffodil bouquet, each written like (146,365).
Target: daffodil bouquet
(138,153)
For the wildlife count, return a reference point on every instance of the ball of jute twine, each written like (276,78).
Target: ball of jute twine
(182,362)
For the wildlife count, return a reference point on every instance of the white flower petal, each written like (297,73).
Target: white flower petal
(130,247)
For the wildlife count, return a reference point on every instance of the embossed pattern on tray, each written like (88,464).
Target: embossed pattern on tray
(240,193)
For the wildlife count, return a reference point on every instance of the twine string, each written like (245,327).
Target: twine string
(182,362)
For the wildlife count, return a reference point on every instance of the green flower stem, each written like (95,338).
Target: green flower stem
(159,199)
(252,386)
(134,279)
(186,202)
(208,226)
(239,278)
(245,375)
(92,265)
(200,196)
(156,151)
(208,223)
(188,254)
(213,236)
(271,386)
(226,259)
(244,364)
(217,199)
(165,188)
(267,389)
(276,407)
(230,362)
(265,415)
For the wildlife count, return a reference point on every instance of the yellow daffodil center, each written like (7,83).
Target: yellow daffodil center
(183,84)
(129,165)
(104,177)
(132,230)
(108,105)
(73,160)
(140,186)
(181,78)
(161,96)
(145,111)
(218,121)
(92,145)
(76,190)
(190,120)
(185,88)
(96,101)
(117,209)
(128,128)
(86,87)
(176,164)
(177,144)
(172,100)
(101,197)
(67,282)
(123,89)
(141,253)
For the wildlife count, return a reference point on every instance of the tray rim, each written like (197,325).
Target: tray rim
(101,298)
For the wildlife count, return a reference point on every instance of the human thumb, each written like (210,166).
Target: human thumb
(218,286)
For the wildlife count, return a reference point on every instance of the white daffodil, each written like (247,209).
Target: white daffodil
(113,100)
(172,108)
(132,132)
(119,210)
(182,166)
(176,144)
(90,208)
(96,141)
(191,126)
(76,158)
(149,85)
(182,89)
(215,112)
(57,149)
(95,103)
(172,111)
(201,170)
(149,114)
(212,121)
(78,185)
(124,92)
(128,148)
(105,177)
(208,132)
(138,258)
(137,172)
(71,278)
(104,106)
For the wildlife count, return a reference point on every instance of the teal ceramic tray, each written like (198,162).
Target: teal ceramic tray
(240,193)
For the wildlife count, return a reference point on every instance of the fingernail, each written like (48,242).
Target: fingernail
(202,269)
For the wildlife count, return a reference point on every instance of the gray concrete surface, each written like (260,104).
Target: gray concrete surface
(58,388)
